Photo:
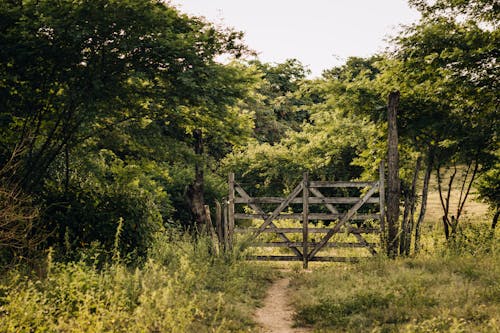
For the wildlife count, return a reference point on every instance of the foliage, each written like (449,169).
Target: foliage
(325,149)
(180,288)
(489,186)
(102,100)
(277,103)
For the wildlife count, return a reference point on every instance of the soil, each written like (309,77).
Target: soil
(276,316)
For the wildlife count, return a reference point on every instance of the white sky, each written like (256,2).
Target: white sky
(319,33)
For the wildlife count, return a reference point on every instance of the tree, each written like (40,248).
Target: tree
(278,103)
(91,90)
(489,191)
(455,60)
(73,68)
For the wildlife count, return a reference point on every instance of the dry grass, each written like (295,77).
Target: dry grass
(474,210)
(425,294)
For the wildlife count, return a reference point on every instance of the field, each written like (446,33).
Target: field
(182,287)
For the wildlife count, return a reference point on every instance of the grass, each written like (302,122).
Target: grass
(474,209)
(179,288)
(456,289)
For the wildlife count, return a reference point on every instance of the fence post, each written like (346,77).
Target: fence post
(231,210)
(305,219)
(225,228)
(218,223)
(381,193)
(211,231)
(393,180)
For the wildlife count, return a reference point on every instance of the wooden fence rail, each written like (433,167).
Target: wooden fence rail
(342,210)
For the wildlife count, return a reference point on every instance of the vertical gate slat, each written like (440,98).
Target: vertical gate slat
(305,218)
(381,194)
(230,209)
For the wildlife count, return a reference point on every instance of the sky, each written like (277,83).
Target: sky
(320,33)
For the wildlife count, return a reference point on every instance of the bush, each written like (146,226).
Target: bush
(179,288)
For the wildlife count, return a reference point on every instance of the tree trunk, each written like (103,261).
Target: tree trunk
(195,191)
(425,192)
(495,219)
(393,182)
(408,216)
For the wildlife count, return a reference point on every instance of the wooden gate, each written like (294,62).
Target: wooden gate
(310,193)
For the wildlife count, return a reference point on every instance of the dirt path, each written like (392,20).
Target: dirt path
(276,315)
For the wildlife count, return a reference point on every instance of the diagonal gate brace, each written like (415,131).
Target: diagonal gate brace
(350,213)
(260,211)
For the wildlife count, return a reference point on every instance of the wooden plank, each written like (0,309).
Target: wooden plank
(211,230)
(274,258)
(346,218)
(279,209)
(294,258)
(312,216)
(230,209)
(225,225)
(311,230)
(340,184)
(364,243)
(266,200)
(305,218)
(284,237)
(218,223)
(336,259)
(341,200)
(312,200)
(358,236)
(381,197)
(317,193)
(329,244)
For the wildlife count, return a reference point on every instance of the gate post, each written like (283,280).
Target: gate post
(381,194)
(305,219)
(230,209)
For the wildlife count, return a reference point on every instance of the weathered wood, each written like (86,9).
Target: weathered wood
(318,194)
(305,218)
(294,258)
(218,223)
(279,209)
(230,209)
(425,194)
(329,244)
(226,225)
(310,230)
(312,200)
(336,259)
(263,216)
(363,243)
(393,182)
(340,184)
(350,213)
(312,216)
(211,230)
(265,200)
(409,211)
(381,196)
(340,200)
(311,195)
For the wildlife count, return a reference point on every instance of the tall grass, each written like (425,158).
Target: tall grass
(179,288)
(454,289)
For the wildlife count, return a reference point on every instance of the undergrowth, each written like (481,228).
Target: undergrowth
(455,289)
(180,287)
